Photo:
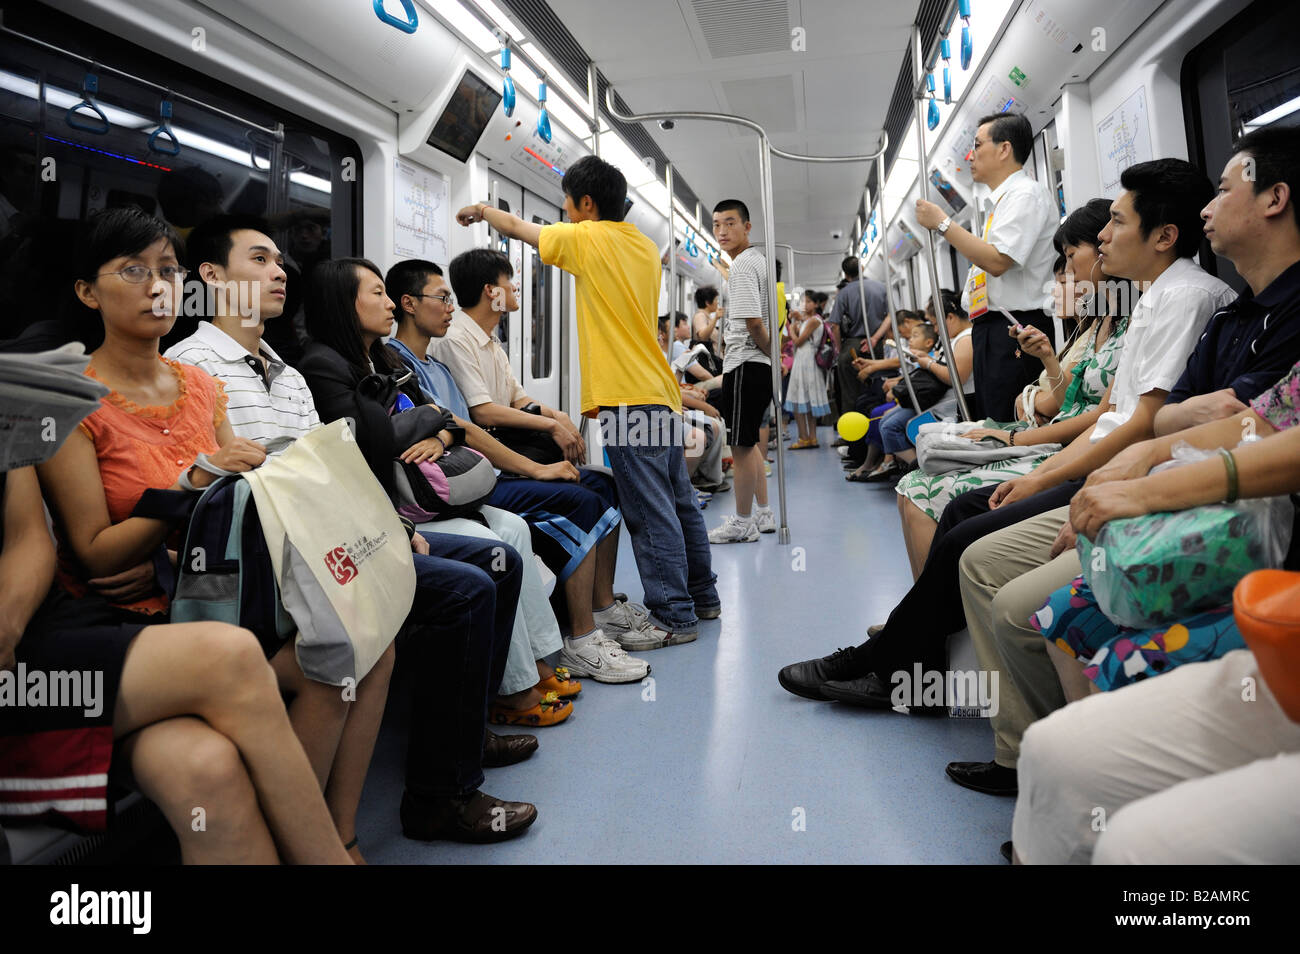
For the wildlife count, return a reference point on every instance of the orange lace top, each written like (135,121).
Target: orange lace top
(149,447)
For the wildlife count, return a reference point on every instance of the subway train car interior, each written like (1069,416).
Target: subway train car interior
(541,432)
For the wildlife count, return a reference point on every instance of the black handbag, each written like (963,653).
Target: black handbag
(929,390)
(537,446)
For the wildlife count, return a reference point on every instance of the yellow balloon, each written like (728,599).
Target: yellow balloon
(852,426)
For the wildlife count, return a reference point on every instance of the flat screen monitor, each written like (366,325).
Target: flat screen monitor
(468,112)
(904,244)
(951,197)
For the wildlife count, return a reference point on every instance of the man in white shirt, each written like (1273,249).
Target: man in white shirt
(1011,263)
(269,401)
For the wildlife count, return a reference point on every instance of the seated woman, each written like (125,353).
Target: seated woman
(1079,382)
(157,417)
(1187,768)
(874,373)
(1091,652)
(467,587)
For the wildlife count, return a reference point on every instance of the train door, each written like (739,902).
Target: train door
(508,197)
(539,363)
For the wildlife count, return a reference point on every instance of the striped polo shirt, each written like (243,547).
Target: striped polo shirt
(273,408)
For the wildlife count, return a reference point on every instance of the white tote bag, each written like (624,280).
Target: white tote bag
(341,556)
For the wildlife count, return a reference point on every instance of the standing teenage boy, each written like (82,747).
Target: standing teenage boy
(1011,264)
(627,383)
(746,374)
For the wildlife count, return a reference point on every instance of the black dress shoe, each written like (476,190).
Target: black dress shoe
(1007,850)
(987,777)
(868,691)
(499,750)
(806,678)
(477,818)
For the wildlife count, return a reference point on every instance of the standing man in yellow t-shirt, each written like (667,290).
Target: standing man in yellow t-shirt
(627,384)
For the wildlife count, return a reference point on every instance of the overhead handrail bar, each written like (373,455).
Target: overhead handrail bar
(277,132)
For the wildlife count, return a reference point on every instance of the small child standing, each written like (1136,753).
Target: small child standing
(806,397)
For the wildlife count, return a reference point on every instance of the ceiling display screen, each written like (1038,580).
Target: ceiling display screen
(468,112)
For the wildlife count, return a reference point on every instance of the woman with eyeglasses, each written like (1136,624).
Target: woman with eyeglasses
(191,712)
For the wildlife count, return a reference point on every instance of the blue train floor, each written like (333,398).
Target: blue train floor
(713,762)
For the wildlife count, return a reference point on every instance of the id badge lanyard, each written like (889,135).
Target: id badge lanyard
(979,291)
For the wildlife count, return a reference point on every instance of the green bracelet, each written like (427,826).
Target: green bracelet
(1230,463)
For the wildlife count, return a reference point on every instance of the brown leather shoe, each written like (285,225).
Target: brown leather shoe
(477,818)
(499,750)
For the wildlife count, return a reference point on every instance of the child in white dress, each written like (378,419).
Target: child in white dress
(806,395)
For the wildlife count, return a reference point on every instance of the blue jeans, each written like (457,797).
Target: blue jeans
(644,444)
(893,430)
(464,610)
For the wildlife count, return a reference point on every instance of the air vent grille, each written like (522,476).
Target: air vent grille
(743,27)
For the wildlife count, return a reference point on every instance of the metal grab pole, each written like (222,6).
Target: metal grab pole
(866,325)
(940,316)
(769,244)
(594,124)
(889,285)
(672,259)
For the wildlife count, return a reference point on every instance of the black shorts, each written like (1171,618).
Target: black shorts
(746,395)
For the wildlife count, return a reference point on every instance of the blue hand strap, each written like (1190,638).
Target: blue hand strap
(164,129)
(409,25)
(89,87)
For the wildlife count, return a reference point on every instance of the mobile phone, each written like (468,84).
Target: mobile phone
(1011,320)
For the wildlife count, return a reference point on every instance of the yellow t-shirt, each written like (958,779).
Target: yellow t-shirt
(780,304)
(616,271)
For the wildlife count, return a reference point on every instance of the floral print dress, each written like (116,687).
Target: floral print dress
(1090,377)
(1114,655)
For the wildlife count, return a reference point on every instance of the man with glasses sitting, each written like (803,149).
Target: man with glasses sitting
(1011,263)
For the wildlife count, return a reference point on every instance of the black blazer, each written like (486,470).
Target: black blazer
(366,400)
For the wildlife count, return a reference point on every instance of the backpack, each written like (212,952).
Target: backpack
(826,351)
(224,570)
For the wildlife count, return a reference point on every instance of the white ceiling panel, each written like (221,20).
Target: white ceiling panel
(738,56)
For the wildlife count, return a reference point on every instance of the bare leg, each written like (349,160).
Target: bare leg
(602,596)
(579,589)
(317,712)
(1070,671)
(918,533)
(218,673)
(746,459)
(196,776)
(357,745)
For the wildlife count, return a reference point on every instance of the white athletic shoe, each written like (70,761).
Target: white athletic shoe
(734,529)
(765,520)
(596,656)
(622,617)
(661,638)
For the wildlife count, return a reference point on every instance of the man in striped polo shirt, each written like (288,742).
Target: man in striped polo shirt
(269,401)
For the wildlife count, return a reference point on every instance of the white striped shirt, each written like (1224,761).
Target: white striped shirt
(274,411)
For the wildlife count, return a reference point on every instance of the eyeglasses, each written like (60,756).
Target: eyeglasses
(447,298)
(137,274)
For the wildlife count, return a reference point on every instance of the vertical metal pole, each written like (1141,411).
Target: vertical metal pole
(595,113)
(923,176)
(862,301)
(672,258)
(774,324)
(883,245)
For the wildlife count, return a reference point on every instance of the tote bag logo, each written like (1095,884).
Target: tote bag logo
(341,565)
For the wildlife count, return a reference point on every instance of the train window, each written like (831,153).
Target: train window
(227,158)
(543,313)
(1239,79)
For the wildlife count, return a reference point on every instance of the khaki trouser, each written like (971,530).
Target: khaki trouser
(1005,578)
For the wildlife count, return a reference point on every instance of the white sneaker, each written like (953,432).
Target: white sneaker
(622,618)
(765,520)
(734,529)
(596,656)
(661,638)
